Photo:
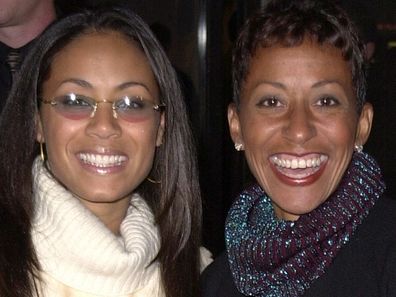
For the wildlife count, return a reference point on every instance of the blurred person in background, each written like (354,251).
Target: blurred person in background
(21,21)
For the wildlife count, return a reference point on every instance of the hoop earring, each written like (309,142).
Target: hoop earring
(42,155)
(358,148)
(153,181)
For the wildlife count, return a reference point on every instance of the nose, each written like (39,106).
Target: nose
(103,124)
(299,125)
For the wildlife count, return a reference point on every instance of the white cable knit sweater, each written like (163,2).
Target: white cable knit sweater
(80,257)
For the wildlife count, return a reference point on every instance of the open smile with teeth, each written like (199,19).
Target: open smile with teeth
(298,167)
(102,160)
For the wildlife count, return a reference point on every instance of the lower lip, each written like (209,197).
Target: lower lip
(308,180)
(102,170)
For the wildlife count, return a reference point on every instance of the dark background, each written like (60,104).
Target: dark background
(198,36)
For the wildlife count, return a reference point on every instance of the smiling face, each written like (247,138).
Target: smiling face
(100,159)
(298,123)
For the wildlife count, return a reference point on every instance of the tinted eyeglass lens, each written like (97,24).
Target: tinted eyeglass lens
(77,107)
(74,106)
(133,109)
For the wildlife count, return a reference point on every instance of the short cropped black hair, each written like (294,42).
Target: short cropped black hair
(288,23)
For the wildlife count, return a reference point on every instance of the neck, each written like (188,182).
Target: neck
(111,214)
(18,34)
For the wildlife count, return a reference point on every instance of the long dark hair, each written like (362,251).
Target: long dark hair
(287,23)
(175,201)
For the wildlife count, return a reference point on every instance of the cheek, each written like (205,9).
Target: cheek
(144,133)
(259,140)
(340,135)
(58,134)
(259,133)
(58,147)
(140,143)
(341,132)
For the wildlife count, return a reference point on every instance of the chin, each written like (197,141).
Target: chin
(294,212)
(102,197)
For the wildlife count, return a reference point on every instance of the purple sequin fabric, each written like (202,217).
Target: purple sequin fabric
(275,258)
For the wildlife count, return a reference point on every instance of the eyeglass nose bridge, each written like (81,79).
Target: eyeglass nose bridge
(95,107)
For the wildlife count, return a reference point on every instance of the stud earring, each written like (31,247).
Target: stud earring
(238,146)
(42,156)
(358,148)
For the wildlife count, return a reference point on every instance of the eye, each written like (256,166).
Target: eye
(327,101)
(269,102)
(74,101)
(131,103)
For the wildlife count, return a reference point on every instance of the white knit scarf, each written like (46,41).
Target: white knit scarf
(75,248)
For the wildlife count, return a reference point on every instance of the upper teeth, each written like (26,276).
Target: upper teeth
(102,160)
(299,163)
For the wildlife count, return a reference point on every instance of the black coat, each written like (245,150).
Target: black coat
(364,267)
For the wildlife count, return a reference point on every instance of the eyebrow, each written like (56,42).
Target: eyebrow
(79,82)
(271,83)
(326,82)
(86,84)
(283,87)
(129,84)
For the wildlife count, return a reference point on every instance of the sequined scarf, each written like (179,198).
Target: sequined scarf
(275,258)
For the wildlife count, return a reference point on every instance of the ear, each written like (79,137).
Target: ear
(364,124)
(234,124)
(161,130)
(39,128)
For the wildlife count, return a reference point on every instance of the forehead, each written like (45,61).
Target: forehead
(301,65)
(103,59)
(102,43)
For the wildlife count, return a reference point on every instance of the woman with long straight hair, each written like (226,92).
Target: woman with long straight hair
(99,193)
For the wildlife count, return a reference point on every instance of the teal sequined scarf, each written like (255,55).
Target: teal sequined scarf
(269,257)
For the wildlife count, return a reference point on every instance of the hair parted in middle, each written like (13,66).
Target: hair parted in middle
(175,201)
(288,23)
